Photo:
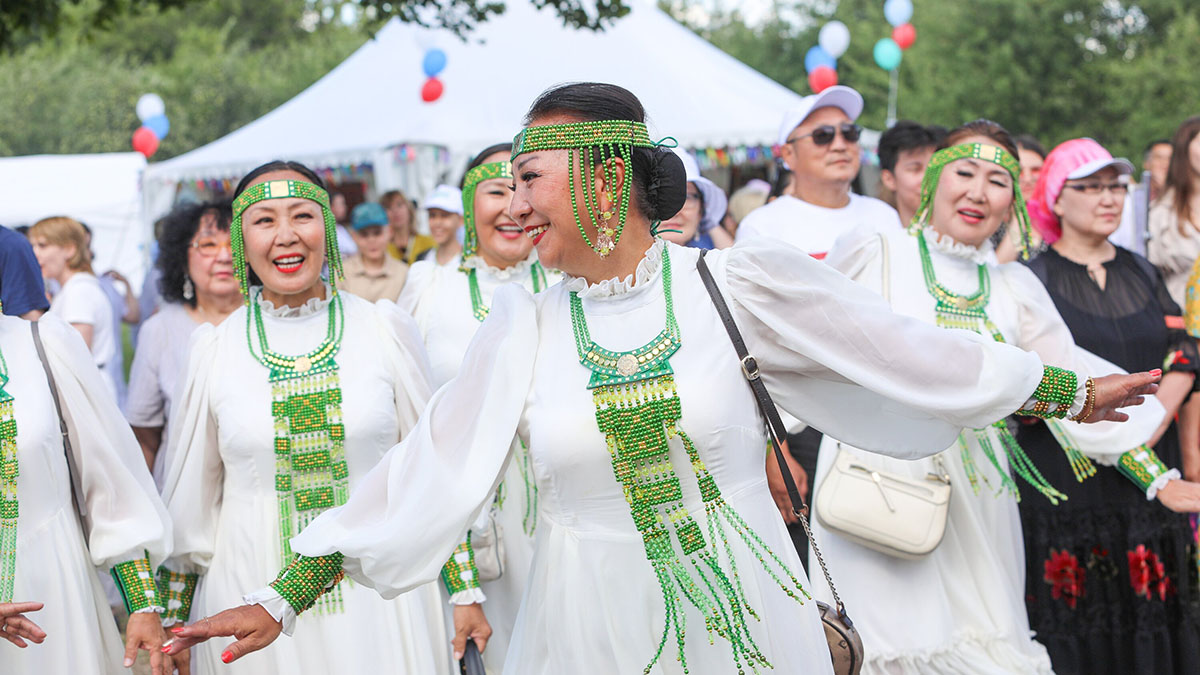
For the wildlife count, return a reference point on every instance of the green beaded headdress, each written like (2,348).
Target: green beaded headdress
(280,189)
(990,153)
(471,181)
(589,144)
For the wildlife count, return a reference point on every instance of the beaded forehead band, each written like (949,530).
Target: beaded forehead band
(989,153)
(471,181)
(588,144)
(281,189)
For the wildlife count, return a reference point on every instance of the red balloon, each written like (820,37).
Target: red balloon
(904,35)
(145,142)
(822,78)
(431,90)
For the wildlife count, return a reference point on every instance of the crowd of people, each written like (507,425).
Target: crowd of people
(526,435)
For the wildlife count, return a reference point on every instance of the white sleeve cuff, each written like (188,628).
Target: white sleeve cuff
(152,609)
(470,596)
(276,606)
(1161,482)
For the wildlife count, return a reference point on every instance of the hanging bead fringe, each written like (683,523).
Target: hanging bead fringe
(1081,464)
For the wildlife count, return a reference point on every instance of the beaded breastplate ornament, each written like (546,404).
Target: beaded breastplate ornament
(8,488)
(638,411)
(969,312)
(311,474)
(589,144)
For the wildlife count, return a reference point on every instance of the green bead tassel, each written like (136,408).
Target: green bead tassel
(1081,464)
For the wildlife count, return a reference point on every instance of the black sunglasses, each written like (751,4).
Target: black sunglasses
(824,134)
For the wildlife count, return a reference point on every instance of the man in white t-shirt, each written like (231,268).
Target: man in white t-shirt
(820,146)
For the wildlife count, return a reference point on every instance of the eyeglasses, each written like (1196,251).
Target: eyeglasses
(210,248)
(824,134)
(1093,189)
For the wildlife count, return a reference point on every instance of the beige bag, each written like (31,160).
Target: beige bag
(897,515)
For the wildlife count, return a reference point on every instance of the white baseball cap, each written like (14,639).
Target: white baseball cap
(445,197)
(837,96)
(715,201)
(1123,166)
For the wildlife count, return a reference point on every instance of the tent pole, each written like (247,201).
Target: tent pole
(892,95)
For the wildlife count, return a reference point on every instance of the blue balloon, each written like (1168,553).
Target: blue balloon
(434,63)
(159,125)
(897,11)
(887,54)
(816,57)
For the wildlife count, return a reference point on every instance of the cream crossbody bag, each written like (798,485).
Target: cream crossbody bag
(897,515)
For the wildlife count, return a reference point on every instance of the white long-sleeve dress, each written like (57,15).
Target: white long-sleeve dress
(961,608)
(439,298)
(829,350)
(57,559)
(220,488)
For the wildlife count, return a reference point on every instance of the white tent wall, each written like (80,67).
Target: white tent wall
(101,190)
(371,103)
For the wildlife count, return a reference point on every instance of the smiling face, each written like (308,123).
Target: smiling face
(687,221)
(210,259)
(502,243)
(285,243)
(974,197)
(443,226)
(1093,216)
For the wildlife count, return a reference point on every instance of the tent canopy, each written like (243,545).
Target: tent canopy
(691,90)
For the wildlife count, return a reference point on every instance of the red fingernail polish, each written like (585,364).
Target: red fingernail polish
(166,648)
(177,630)
(226,656)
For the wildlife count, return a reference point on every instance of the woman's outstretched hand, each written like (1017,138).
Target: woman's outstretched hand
(252,625)
(16,627)
(1120,391)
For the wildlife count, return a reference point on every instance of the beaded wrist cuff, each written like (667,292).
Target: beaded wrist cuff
(176,591)
(306,579)
(459,573)
(1142,466)
(136,583)
(1058,386)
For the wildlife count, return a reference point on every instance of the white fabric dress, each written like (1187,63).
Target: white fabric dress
(57,559)
(960,609)
(220,488)
(440,300)
(828,349)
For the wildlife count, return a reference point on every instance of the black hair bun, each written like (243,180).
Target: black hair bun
(666,186)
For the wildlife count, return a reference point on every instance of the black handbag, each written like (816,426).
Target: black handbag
(471,663)
(845,644)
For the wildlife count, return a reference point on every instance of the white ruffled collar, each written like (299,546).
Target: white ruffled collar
(312,306)
(519,270)
(647,270)
(943,243)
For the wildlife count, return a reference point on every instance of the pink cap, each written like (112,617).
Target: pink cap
(1076,158)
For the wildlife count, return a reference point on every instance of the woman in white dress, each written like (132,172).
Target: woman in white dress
(654,513)
(198,287)
(45,554)
(286,406)
(61,247)
(961,608)
(449,305)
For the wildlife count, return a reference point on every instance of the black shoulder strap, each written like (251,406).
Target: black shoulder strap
(76,487)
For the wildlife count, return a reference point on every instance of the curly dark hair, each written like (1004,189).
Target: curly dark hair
(178,228)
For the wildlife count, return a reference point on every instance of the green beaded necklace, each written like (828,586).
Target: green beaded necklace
(638,411)
(969,312)
(480,309)
(8,488)
(310,453)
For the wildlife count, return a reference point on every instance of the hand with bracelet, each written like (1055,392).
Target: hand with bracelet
(1110,393)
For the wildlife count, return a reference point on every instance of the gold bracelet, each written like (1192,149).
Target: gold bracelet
(1089,403)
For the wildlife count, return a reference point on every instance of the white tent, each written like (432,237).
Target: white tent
(370,103)
(101,190)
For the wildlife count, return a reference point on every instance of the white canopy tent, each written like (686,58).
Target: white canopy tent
(370,104)
(100,190)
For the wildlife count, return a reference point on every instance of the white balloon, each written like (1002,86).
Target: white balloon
(834,38)
(150,105)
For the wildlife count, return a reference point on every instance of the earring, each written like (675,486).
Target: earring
(189,291)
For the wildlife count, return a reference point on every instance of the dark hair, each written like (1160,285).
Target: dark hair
(279,165)
(982,127)
(905,135)
(1179,175)
(178,228)
(659,179)
(489,150)
(1028,142)
(1153,144)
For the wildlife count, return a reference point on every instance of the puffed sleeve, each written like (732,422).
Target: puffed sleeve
(417,287)
(409,364)
(127,527)
(834,354)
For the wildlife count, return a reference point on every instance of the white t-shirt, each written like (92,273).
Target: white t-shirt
(814,228)
(81,300)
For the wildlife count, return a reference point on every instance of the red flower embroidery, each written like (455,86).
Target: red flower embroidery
(1147,574)
(1065,576)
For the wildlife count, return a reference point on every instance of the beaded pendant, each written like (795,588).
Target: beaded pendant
(8,488)
(969,312)
(638,411)
(310,454)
